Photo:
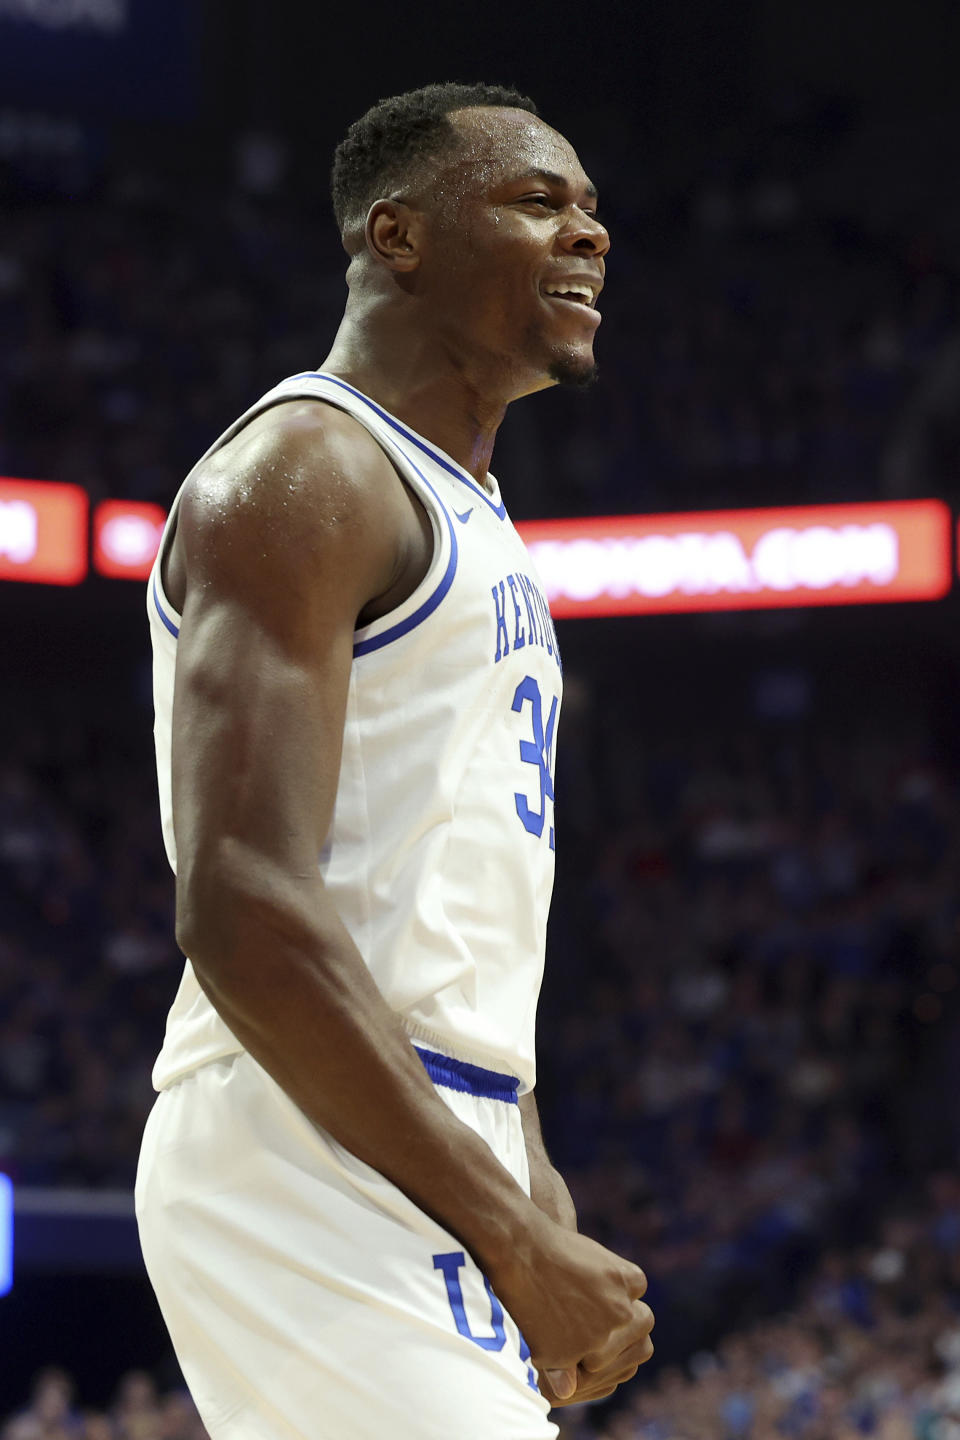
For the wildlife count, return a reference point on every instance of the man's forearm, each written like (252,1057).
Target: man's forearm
(548,1189)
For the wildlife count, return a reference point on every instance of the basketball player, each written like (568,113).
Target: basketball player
(345,1205)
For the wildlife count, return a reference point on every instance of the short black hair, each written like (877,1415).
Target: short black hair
(397,133)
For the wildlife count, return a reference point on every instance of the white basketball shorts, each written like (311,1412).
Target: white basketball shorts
(306,1296)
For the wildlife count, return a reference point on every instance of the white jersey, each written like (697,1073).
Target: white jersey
(440,854)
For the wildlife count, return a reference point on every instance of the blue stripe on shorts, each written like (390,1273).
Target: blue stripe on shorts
(473,1079)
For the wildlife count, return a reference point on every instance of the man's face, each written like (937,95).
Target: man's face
(511,226)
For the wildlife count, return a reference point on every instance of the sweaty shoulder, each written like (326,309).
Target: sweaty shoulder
(302,500)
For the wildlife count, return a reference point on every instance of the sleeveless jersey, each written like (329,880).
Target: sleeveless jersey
(440,854)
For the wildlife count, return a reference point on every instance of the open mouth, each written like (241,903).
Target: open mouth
(572,291)
(578,291)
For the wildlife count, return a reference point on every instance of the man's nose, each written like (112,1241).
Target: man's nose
(585,235)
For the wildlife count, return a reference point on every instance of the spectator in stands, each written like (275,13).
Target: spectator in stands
(51,1414)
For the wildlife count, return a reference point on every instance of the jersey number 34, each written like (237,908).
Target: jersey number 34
(537,752)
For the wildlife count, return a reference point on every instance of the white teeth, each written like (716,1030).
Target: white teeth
(570,289)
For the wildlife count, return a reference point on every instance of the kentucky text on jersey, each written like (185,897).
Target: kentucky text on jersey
(518,599)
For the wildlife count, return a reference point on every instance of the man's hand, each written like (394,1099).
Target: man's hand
(580,1309)
(599,1377)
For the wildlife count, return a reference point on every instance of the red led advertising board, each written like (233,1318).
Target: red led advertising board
(43,532)
(744,559)
(603,565)
(126,537)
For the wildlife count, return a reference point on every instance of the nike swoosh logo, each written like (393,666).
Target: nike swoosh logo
(465,516)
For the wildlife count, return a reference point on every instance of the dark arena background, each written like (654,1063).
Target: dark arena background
(750,1025)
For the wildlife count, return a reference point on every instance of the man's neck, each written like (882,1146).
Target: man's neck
(421,387)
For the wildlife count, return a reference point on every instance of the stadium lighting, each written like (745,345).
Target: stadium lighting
(126,536)
(43,531)
(6,1234)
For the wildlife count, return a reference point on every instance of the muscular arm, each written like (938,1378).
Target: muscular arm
(282,551)
(286,538)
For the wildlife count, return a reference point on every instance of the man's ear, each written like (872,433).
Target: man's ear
(392,235)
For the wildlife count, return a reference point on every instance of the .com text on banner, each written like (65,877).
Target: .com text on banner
(744,559)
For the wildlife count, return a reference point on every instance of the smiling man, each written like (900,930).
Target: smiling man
(345,1204)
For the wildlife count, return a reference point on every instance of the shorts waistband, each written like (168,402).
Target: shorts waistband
(472,1079)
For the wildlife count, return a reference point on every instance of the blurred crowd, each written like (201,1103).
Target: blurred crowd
(871,1349)
(771,923)
(138,1412)
(87,954)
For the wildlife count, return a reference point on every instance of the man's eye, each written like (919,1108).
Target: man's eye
(536,200)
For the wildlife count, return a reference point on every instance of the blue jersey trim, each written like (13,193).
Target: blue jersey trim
(436,455)
(403,627)
(471,1079)
(174,631)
